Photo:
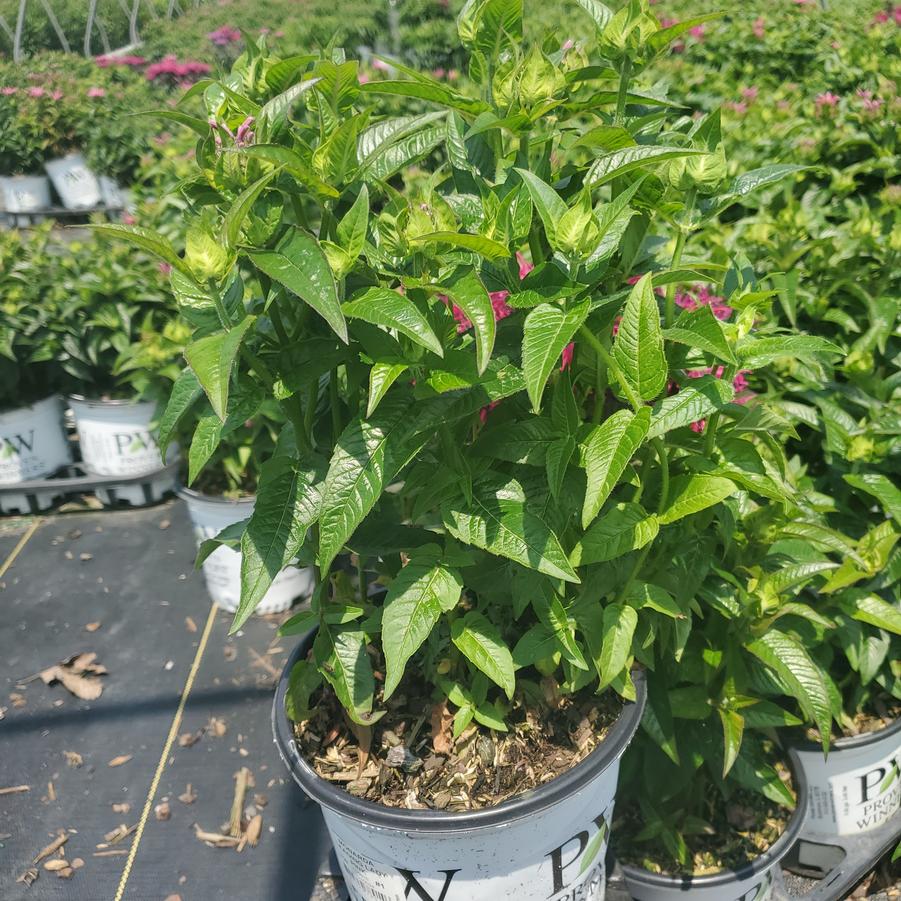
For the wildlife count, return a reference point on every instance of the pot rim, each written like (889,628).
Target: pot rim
(848,742)
(190,494)
(112,402)
(436,821)
(769,858)
(30,407)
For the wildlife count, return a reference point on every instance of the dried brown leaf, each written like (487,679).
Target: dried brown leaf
(188,796)
(254,830)
(190,624)
(56,863)
(118,761)
(73,758)
(442,720)
(92,627)
(162,811)
(123,807)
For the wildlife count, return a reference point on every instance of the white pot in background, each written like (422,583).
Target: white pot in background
(857,788)
(25,194)
(116,440)
(33,444)
(113,196)
(76,185)
(222,569)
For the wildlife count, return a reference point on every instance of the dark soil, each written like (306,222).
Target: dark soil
(882,713)
(740,831)
(413,762)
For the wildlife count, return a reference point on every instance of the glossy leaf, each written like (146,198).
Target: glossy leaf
(382,306)
(733,729)
(607,453)
(695,401)
(548,203)
(185,391)
(466,290)
(625,527)
(618,628)
(381,377)
(479,244)
(691,494)
(237,213)
(341,657)
(701,329)
(620,162)
(638,345)
(481,643)
(212,358)
(871,609)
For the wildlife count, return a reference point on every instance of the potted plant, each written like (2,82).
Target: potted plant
(24,188)
(33,442)
(118,344)
(501,451)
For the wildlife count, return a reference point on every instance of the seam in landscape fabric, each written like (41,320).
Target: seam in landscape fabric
(167,747)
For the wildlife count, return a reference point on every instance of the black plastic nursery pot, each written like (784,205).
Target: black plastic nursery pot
(853,814)
(547,844)
(759,880)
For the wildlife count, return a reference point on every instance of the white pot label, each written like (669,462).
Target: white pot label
(32,442)
(112,449)
(556,854)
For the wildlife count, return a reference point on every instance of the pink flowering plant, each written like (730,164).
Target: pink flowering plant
(490,336)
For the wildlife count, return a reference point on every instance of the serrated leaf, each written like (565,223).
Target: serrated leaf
(644,594)
(486,247)
(696,401)
(417,596)
(548,203)
(871,609)
(481,643)
(623,528)
(299,264)
(185,391)
(395,154)
(608,450)
(733,729)
(147,240)
(798,672)
(211,359)
(701,329)
(618,628)
(691,494)
(351,232)
(234,218)
(341,657)
(546,332)
(381,377)
(466,290)
(497,521)
(382,306)
(360,464)
(619,162)
(550,610)
(638,346)
(557,459)
(881,487)
(757,352)
(287,504)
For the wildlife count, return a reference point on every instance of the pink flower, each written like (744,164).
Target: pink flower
(686,301)
(880,18)
(896,15)
(568,44)
(380,65)
(438,73)
(164,268)
(128,219)
(759,28)
(750,94)
(56,95)
(452,75)
(244,136)
(698,32)
(483,413)
(525,267)
(36,92)
(224,36)
(566,358)
(666,22)
(825,101)
(96,92)
(499,304)
(740,108)
(363,78)
(8,92)
(698,426)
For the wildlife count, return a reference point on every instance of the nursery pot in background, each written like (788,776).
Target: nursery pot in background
(33,444)
(759,880)
(25,194)
(116,440)
(76,185)
(222,569)
(547,844)
(857,788)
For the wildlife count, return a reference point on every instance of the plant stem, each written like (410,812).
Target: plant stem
(660,449)
(682,237)
(334,402)
(625,74)
(612,366)
(310,411)
(600,388)
(221,312)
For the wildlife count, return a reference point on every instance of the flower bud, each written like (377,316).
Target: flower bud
(206,255)
(539,80)
(570,233)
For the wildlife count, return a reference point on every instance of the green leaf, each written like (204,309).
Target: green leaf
(382,306)
(625,527)
(234,218)
(299,264)
(869,608)
(479,244)
(381,377)
(691,494)
(489,716)
(638,346)
(757,352)
(351,231)
(701,329)
(644,594)
(302,682)
(211,358)
(537,644)
(481,643)
(798,672)
(882,488)
(657,719)
(598,11)
(546,332)
(287,505)
(733,729)
(299,624)
(185,391)
(695,401)
(199,126)
(360,465)
(466,290)
(765,714)
(392,155)
(341,657)
(497,521)
(206,438)
(417,596)
(276,110)
(749,181)
(436,92)
(550,206)
(619,162)
(147,240)
(550,610)
(608,450)
(557,459)
(619,627)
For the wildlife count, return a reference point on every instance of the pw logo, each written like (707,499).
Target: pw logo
(16,445)
(881,776)
(133,442)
